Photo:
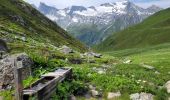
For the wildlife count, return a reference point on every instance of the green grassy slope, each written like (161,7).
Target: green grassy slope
(152,31)
(19,19)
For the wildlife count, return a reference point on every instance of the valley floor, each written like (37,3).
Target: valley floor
(117,75)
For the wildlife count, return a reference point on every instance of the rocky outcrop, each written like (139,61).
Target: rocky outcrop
(167,86)
(6,69)
(141,96)
(94,93)
(92,54)
(19,19)
(112,95)
(66,50)
(3,48)
(147,66)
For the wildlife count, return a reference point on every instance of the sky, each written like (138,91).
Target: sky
(66,3)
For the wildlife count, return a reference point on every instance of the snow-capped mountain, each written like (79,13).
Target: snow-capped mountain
(93,24)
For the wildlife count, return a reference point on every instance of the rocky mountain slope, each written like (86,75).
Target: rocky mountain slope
(23,27)
(152,31)
(93,24)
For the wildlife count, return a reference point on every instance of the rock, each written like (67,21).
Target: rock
(89,54)
(1,98)
(19,19)
(105,66)
(6,69)
(87,96)
(167,86)
(23,39)
(141,96)
(66,50)
(135,96)
(72,97)
(89,74)
(127,62)
(94,93)
(112,95)
(101,72)
(156,72)
(92,87)
(148,67)
(97,55)
(92,61)
(92,54)
(146,96)
(26,61)
(75,61)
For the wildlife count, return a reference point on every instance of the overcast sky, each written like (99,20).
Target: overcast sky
(65,3)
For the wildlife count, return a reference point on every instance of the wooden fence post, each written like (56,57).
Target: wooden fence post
(18,80)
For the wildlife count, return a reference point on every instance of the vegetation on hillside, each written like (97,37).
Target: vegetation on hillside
(152,31)
(40,39)
(19,20)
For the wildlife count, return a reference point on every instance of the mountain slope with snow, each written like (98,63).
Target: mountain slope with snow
(95,23)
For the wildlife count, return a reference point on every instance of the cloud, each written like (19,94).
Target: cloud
(160,3)
(66,3)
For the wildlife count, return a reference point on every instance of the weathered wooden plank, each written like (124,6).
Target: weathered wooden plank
(18,80)
(45,92)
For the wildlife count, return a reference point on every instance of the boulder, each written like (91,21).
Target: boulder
(26,61)
(66,50)
(18,19)
(141,96)
(97,55)
(92,54)
(72,97)
(112,95)
(135,96)
(94,93)
(146,96)
(92,87)
(127,61)
(6,69)
(167,86)
(76,60)
(1,98)
(148,66)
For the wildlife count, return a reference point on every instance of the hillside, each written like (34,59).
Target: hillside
(152,31)
(23,26)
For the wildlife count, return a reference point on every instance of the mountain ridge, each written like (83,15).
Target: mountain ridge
(152,31)
(95,23)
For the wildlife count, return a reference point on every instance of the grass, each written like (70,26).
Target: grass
(36,26)
(41,45)
(151,32)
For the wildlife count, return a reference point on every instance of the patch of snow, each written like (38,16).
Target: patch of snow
(75,20)
(88,12)
(62,13)
(103,9)
(52,17)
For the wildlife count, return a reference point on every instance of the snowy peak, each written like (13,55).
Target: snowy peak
(97,22)
(45,9)
(154,8)
(92,7)
(106,5)
(76,8)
